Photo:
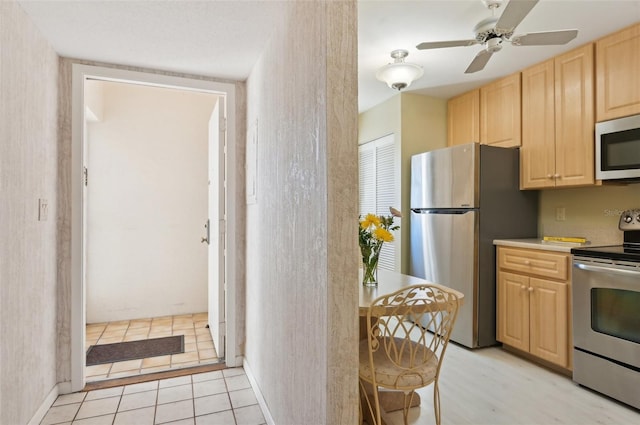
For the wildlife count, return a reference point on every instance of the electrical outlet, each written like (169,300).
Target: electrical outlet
(560,214)
(43,209)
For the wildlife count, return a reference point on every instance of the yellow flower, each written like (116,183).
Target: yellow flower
(370,219)
(383,234)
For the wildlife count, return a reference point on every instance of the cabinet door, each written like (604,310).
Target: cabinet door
(463,119)
(500,112)
(548,320)
(574,117)
(537,154)
(513,310)
(618,68)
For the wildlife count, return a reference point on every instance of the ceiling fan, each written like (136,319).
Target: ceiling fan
(493,31)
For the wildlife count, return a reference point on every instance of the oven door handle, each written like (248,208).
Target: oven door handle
(622,272)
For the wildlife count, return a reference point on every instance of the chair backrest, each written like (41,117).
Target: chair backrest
(412,326)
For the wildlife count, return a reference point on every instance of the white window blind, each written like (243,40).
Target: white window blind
(379,188)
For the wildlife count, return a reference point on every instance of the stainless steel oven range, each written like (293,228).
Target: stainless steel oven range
(606,315)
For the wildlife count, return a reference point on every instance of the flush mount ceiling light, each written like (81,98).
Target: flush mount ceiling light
(399,74)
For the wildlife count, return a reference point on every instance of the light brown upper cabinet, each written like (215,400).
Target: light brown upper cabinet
(500,112)
(618,74)
(558,121)
(463,118)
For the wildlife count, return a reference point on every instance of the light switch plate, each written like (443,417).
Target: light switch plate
(43,209)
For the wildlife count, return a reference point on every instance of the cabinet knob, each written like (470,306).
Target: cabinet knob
(527,262)
(550,176)
(523,287)
(557,176)
(530,289)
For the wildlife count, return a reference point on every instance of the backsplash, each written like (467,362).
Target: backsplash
(592,212)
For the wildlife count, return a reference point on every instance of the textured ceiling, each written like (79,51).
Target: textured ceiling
(225,38)
(212,38)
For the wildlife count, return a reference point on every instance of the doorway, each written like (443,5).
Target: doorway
(85,299)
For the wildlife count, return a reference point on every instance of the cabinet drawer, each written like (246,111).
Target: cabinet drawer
(534,262)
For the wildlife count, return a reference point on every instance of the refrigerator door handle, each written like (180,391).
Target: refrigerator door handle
(448,211)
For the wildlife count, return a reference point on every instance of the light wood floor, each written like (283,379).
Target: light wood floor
(492,386)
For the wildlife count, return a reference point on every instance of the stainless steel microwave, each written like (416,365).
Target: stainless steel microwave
(618,149)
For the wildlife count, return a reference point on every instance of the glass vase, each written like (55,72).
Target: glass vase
(370,268)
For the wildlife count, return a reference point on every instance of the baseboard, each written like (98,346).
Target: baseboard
(44,407)
(64,388)
(256,389)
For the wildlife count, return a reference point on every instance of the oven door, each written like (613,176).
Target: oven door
(606,315)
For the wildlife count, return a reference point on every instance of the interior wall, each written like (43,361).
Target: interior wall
(377,122)
(424,128)
(592,212)
(28,116)
(419,124)
(64,303)
(384,118)
(302,273)
(147,203)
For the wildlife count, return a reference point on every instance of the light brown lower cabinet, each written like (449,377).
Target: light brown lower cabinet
(534,313)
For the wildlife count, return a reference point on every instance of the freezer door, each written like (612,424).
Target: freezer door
(443,250)
(446,178)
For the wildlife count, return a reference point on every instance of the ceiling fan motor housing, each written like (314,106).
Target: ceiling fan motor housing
(494,44)
(486,30)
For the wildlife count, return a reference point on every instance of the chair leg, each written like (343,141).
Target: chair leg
(408,400)
(372,412)
(360,414)
(436,402)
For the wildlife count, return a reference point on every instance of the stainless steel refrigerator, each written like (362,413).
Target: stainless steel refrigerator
(462,198)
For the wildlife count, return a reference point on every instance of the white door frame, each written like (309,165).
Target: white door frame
(78,289)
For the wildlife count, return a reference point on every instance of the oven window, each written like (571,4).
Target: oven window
(616,312)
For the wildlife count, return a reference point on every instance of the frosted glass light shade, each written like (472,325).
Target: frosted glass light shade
(399,75)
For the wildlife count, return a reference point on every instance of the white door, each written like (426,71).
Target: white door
(216,231)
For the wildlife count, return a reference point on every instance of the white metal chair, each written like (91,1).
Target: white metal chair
(407,335)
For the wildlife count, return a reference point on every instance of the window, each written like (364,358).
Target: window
(379,188)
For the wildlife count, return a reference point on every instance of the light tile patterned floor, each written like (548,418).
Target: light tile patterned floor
(222,397)
(198,345)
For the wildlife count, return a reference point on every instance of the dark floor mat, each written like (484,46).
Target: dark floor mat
(121,351)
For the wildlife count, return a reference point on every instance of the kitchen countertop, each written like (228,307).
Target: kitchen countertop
(534,243)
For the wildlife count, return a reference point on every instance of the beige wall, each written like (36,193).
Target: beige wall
(382,119)
(301,234)
(146,202)
(424,128)
(591,212)
(28,154)
(419,125)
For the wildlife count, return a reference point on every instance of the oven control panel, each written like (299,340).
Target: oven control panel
(630,220)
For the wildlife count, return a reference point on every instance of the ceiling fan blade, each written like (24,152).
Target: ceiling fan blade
(441,44)
(544,38)
(513,14)
(478,63)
